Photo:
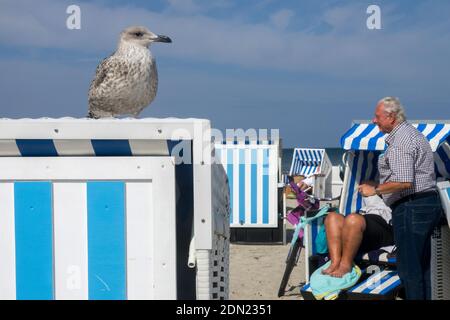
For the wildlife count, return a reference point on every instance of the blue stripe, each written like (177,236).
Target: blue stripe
(351,186)
(242,186)
(348,134)
(106,240)
(319,155)
(303,155)
(421,127)
(438,128)
(116,148)
(374,166)
(392,260)
(265,217)
(357,140)
(372,145)
(314,227)
(254,186)
(36,148)
(308,170)
(230,180)
(34,240)
(381,281)
(363,178)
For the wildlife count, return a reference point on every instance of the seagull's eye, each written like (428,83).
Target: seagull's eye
(138,34)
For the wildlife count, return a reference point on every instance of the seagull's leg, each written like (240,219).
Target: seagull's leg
(92,115)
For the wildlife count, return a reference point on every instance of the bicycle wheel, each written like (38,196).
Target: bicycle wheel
(290,263)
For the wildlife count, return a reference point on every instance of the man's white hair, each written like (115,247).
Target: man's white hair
(393,105)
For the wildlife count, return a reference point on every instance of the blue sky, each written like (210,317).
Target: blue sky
(307,67)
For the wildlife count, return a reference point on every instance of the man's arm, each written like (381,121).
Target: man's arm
(388,187)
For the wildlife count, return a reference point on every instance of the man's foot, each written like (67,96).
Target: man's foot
(341,271)
(333,266)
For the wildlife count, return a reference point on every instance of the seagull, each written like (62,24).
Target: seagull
(126,82)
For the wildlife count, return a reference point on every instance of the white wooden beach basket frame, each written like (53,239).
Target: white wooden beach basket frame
(211,241)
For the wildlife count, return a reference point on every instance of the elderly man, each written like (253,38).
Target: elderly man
(408,186)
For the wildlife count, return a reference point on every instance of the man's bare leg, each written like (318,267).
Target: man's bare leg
(352,234)
(334,223)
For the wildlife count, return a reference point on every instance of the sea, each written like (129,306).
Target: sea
(335,155)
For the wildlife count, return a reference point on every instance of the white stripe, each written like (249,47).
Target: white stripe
(150,147)
(383,257)
(365,140)
(223,157)
(357,178)
(293,162)
(435,142)
(446,147)
(386,284)
(348,141)
(140,240)
(7,243)
(370,281)
(70,229)
(248,184)
(260,187)
(74,147)
(440,165)
(297,166)
(236,190)
(272,206)
(9,148)
(381,143)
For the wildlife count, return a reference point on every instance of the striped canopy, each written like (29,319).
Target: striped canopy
(367,142)
(367,136)
(306,161)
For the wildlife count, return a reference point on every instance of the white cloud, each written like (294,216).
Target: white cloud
(353,53)
(282,18)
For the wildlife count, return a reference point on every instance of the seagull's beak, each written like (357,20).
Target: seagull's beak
(161,38)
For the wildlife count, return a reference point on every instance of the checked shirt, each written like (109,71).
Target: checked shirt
(408,158)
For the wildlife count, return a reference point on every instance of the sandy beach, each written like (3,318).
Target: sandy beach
(256,271)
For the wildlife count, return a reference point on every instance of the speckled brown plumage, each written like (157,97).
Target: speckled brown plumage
(127,81)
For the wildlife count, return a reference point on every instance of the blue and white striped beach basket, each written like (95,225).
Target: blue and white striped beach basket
(364,143)
(254,171)
(105,210)
(314,163)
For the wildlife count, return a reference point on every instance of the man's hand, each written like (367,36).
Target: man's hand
(370,183)
(367,190)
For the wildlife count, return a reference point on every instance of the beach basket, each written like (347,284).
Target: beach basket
(112,209)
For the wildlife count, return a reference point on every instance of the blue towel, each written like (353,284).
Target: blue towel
(328,287)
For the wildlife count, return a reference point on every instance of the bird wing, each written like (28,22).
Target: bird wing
(109,68)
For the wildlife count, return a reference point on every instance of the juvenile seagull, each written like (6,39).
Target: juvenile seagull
(127,81)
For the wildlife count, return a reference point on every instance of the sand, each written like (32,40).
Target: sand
(256,271)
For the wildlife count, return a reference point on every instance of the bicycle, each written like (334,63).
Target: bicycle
(307,205)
